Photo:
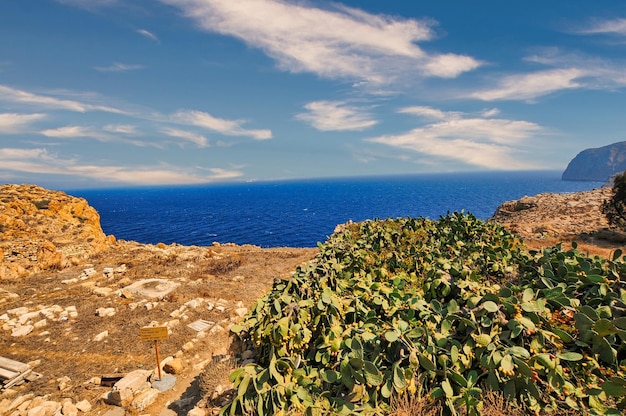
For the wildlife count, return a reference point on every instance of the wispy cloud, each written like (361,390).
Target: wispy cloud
(11,123)
(73,132)
(125,129)
(426,112)
(196,138)
(40,161)
(341,42)
(482,142)
(223,126)
(119,67)
(50,101)
(606,26)
(533,85)
(336,116)
(148,34)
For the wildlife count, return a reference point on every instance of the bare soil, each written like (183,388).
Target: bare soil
(225,276)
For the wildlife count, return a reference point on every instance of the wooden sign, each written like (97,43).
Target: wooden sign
(153,333)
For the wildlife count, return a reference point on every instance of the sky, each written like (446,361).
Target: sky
(118,93)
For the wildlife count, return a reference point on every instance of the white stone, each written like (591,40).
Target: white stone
(196,411)
(84,405)
(145,399)
(24,318)
(18,311)
(133,380)
(69,281)
(119,397)
(241,312)
(102,291)
(40,324)
(69,409)
(101,336)
(108,272)
(105,312)
(4,317)
(195,303)
(21,331)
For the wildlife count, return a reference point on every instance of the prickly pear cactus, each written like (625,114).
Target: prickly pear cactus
(448,308)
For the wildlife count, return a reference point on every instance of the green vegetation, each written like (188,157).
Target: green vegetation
(615,208)
(450,309)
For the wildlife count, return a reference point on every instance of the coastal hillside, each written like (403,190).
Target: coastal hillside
(546,219)
(72,300)
(597,164)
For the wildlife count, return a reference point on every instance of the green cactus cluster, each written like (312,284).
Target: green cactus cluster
(448,308)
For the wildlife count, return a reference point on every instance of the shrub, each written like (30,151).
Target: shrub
(454,308)
(615,208)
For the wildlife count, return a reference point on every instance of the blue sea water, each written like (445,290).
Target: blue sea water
(304,212)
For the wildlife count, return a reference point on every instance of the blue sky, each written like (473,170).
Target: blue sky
(143,92)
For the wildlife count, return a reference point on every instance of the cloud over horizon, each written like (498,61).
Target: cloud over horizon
(481,142)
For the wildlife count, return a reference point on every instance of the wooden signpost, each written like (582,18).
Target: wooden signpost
(156,334)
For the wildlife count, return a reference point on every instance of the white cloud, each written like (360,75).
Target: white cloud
(336,116)
(610,26)
(71,132)
(483,142)
(490,113)
(426,112)
(11,123)
(40,161)
(147,34)
(125,129)
(198,139)
(339,43)
(119,67)
(533,85)
(13,95)
(449,65)
(226,127)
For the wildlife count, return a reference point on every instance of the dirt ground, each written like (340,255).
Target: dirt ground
(226,277)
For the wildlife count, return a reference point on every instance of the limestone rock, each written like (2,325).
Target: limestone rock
(84,406)
(174,366)
(555,214)
(43,229)
(145,399)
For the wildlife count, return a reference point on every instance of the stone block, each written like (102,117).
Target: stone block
(69,409)
(84,406)
(21,331)
(133,381)
(119,397)
(145,399)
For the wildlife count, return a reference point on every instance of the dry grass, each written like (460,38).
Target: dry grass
(414,404)
(496,405)
(215,374)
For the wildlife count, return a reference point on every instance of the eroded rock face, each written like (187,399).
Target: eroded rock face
(555,214)
(42,229)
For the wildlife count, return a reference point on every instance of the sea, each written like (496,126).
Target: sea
(303,213)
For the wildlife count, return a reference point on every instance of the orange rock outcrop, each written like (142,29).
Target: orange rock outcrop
(44,229)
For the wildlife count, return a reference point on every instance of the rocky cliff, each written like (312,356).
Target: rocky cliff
(597,164)
(42,229)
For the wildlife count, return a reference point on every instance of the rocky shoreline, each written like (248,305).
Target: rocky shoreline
(71,312)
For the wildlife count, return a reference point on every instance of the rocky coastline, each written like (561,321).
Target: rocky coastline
(72,300)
